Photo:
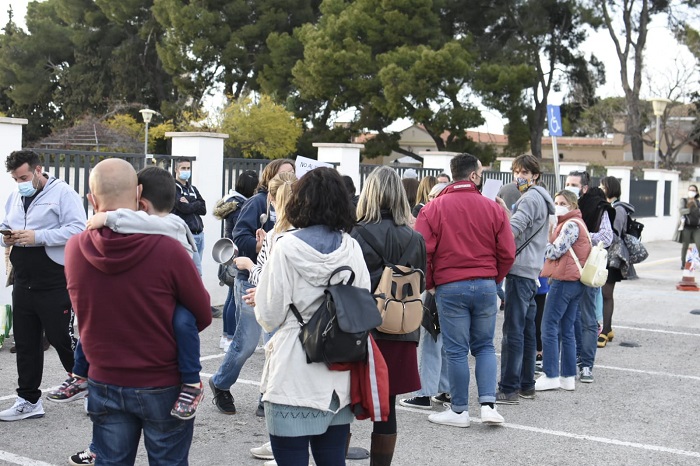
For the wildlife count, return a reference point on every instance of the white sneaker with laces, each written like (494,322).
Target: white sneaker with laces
(22,409)
(568,383)
(263,452)
(547,383)
(490,416)
(450,418)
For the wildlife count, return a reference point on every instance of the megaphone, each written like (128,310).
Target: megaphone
(224,251)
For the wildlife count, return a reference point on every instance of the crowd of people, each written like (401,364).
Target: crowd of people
(131,276)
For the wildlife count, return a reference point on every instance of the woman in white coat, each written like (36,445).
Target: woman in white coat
(307,404)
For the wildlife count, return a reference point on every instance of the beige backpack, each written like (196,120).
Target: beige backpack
(398,293)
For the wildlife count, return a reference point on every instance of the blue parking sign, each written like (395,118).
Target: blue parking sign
(554,120)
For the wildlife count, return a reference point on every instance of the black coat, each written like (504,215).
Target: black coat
(394,239)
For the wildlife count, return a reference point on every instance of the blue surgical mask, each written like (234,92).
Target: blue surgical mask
(26,188)
(185,175)
(574,189)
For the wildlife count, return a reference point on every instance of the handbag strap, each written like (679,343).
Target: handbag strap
(571,249)
(524,245)
(374,244)
(296,313)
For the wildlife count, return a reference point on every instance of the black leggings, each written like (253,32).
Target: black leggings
(608,306)
(388,427)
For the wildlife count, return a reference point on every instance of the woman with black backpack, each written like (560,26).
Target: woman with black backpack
(690,214)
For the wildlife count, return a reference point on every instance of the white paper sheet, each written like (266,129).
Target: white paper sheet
(491,188)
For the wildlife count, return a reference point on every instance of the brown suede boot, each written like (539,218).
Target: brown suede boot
(382,450)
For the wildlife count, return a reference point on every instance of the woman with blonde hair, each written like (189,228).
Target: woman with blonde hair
(422,197)
(384,214)
(254,220)
(569,243)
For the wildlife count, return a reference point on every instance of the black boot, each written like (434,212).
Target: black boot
(382,451)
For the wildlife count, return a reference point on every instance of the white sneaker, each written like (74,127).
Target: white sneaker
(450,418)
(263,452)
(490,416)
(227,344)
(222,342)
(22,409)
(547,383)
(568,383)
(270,463)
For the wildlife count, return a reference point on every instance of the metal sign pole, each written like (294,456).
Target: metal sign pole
(555,129)
(557,178)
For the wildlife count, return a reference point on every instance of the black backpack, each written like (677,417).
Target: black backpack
(634,228)
(339,329)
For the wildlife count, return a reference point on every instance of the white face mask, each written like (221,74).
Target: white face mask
(560,210)
(692,194)
(574,189)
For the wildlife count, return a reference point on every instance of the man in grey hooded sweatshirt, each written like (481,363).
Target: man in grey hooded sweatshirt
(529,225)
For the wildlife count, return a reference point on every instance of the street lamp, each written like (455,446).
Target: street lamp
(659,107)
(147,115)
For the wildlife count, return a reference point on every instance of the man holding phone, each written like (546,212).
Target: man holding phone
(39,219)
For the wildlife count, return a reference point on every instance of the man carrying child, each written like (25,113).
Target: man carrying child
(125,288)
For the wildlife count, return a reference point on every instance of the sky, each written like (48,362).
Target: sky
(663,57)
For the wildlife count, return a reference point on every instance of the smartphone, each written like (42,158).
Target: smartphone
(6,232)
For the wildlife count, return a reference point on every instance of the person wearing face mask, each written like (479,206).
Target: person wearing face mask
(570,238)
(190,206)
(40,217)
(690,212)
(529,226)
(599,216)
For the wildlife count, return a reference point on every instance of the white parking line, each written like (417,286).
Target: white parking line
(591,438)
(8,457)
(656,330)
(639,371)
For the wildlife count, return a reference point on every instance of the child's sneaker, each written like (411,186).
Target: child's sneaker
(186,405)
(74,388)
(82,458)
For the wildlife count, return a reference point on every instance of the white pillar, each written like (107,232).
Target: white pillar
(439,160)
(207,177)
(506,164)
(10,141)
(662,176)
(346,156)
(624,174)
(567,167)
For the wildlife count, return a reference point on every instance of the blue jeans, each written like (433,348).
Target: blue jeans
(186,338)
(558,325)
(586,327)
(519,344)
(467,311)
(197,256)
(244,340)
(119,414)
(80,366)
(328,448)
(432,366)
(229,316)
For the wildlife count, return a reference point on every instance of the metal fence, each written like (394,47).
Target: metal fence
(367,168)
(74,166)
(234,167)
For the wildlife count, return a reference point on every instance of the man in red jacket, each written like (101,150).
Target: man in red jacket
(124,289)
(470,248)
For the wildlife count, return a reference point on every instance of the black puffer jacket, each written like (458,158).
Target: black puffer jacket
(395,239)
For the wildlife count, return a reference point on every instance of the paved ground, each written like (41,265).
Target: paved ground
(640,410)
